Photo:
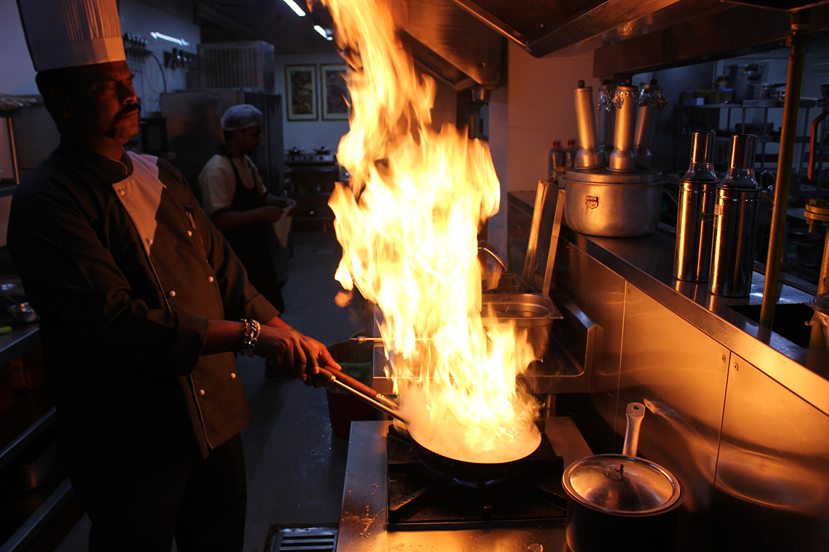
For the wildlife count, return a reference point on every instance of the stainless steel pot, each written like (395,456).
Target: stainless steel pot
(605,203)
(820,304)
(619,501)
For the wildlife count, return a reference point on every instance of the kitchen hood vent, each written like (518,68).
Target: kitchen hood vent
(458,42)
(543,27)
(462,42)
(445,41)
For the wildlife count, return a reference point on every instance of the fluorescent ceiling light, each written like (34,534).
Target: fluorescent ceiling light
(294,6)
(179,41)
(322,32)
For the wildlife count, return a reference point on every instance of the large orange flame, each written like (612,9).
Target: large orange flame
(408,222)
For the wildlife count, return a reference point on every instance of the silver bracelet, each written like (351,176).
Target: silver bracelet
(250,333)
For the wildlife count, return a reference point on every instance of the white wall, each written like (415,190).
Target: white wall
(533,109)
(17,76)
(541,109)
(140,18)
(308,135)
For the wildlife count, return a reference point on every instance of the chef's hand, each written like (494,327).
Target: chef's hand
(270,213)
(293,353)
(286,203)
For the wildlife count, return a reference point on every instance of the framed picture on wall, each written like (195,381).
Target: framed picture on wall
(335,101)
(301,92)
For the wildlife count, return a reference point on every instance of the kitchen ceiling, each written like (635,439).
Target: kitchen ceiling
(463,42)
(268,20)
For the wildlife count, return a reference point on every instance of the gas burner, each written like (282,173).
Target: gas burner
(421,498)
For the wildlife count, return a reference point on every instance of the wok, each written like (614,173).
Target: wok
(462,471)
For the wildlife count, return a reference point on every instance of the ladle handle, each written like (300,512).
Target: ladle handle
(634,413)
(361,391)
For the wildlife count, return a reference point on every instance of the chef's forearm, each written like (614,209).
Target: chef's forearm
(223,336)
(277,322)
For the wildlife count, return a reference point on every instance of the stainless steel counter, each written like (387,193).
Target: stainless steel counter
(363,515)
(647,264)
(734,410)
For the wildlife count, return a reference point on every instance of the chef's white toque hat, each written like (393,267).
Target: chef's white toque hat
(71,33)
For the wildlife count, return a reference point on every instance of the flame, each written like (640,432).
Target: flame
(408,222)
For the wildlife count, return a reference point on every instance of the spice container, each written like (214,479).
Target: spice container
(735,222)
(695,212)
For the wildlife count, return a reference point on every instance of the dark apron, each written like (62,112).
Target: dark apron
(252,243)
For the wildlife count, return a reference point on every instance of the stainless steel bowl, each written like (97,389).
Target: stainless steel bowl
(533,312)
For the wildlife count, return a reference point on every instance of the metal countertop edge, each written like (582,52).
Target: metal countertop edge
(786,363)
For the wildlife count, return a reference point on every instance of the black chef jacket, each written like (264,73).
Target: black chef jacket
(124,305)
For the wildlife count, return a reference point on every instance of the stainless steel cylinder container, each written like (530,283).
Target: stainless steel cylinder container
(606,119)
(588,155)
(603,203)
(735,223)
(695,212)
(623,156)
(651,101)
(645,125)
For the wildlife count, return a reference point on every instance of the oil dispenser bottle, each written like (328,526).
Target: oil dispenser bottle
(735,222)
(695,211)
(555,160)
(570,154)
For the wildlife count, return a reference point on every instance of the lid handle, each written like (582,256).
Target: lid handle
(634,413)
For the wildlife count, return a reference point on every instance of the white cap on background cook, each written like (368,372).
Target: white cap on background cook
(70,33)
(241,116)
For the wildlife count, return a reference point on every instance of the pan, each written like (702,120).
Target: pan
(620,501)
(461,471)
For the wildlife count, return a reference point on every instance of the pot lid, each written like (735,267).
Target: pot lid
(605,176)
(619,484)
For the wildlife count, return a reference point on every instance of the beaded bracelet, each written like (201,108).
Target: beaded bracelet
(250,333)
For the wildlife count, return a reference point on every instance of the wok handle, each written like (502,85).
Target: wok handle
(361,391)
(634,413)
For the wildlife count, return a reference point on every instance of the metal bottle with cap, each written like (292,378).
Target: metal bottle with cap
(695,211)
(588,155)
(651,102)
(623,156)
(606,119)
(735,222)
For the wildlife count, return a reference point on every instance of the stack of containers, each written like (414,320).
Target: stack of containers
(614,192)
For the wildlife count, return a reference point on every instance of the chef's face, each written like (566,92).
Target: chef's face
(249,138)
(105,105)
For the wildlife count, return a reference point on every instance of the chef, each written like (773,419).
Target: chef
(238,203)
(142,303)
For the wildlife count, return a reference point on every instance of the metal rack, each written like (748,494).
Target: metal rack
(731,117)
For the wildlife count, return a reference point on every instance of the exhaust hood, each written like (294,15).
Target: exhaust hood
(468,36)
(463,42)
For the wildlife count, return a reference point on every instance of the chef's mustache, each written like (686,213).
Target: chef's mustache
(128,110)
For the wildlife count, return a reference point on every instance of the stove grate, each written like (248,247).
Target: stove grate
(418,500)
